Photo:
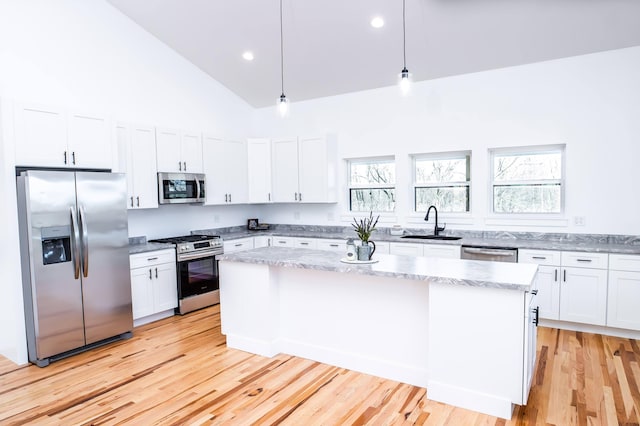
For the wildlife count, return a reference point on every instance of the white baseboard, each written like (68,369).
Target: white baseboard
(469,399)
(154,317)
(588,328)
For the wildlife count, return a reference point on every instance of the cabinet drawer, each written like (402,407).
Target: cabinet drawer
(441,250)
(140,260)
(238,245)
(585,260)
(309,243)
(332,245)
(541,257)
(624,262)
(406,249)
(282,241)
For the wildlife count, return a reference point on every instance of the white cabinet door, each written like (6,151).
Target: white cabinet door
(406,249)
(236,170)
(225,165)
(169,151)
(583,297)
(312,170)
(339,246)
(142,292)
(548,297)
(284,157)
(165,287)
(382,247)
(137,158)
(624,298)
(262,241)
(441,250)
(41,136)
(238,245)
(90,141)
(191,152)
(259,170)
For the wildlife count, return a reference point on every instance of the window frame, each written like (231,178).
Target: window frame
(452,155)
(527,150)
(369,160)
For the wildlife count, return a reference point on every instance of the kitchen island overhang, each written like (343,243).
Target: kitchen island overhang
(459,328)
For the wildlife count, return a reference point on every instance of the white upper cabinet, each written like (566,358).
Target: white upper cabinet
(137,154)
(284,171)
(225,166)
(304,170)
(54,137)
(178,151)
(259,170)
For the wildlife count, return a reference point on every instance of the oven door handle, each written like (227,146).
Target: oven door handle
(200,255)
(488,252)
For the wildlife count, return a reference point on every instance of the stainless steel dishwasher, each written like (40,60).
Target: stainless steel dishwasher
(496,254)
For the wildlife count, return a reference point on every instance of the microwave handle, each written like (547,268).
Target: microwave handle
(198,189)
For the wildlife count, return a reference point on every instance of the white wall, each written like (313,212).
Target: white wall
(590,103)
(87,56)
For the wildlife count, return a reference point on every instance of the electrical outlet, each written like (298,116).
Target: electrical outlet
(296,215)
(579,220)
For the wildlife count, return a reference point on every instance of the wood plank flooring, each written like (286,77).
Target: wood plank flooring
(179,371)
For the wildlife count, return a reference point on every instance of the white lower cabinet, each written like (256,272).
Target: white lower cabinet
(239,244)
(309,243)
(624,292)
(382,247)
(572,286)
(282,241)
(154,287)
(262,241)
(441,250)
(339,246)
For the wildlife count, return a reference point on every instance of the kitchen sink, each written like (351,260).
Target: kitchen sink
(431,237)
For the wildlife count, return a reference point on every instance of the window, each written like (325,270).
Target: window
(528,180)
(372,185)
(442,180)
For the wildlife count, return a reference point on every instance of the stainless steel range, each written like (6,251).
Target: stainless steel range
(197,269)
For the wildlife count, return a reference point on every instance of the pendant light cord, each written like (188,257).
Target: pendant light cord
(282,52)
(404,36)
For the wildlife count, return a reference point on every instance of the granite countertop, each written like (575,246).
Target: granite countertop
(511,276)
(135,248)
(537,241)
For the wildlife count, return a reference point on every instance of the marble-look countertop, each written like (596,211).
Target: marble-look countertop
(511,276)
(587,245)
(146,247)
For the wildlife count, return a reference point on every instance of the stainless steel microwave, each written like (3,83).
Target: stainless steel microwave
(176,188)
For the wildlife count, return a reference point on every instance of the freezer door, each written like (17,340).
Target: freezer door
(106,283)
(53,297)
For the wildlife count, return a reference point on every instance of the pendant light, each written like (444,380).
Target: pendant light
(283,102)
(405,76)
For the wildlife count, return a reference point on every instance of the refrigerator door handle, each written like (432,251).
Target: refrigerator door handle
(75,243)
(85,243)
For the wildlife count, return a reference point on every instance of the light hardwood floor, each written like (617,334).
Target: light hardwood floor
(179,371)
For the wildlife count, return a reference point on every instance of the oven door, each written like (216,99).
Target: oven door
(176,188)
(197,276)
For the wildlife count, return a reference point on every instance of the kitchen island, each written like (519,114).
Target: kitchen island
(462,329)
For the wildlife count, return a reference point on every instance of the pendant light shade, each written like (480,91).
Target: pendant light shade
(283,102)
(405,75)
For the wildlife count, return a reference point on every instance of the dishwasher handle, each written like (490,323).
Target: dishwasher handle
(488,252)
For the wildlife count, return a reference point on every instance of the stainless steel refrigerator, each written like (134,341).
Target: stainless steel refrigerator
(75,261)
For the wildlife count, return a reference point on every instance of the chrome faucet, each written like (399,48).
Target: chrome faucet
(436,229)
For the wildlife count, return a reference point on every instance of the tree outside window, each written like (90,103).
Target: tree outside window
(442,180)
(372,185)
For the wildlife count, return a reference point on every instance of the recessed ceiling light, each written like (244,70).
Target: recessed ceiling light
(248,56)
(377,22)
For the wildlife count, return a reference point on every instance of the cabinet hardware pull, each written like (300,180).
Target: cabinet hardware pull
(131,201)
(226,196)
(151,258)
(333,245)
(156,272)
(138,201)
(185,165)
(239,245)
(555,278)
(282,242)
(304,244)
(73,157)
(180,165)
(269,196)
(229,197)
(534,292)
(539,257)
(150,276)
(536,311)
(299,196)
(295,195)
(564,276)
(65,157)
(583,260)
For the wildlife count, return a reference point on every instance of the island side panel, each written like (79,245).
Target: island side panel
(476,347)
(249,307)
(375,325)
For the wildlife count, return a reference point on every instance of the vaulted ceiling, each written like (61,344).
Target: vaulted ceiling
(330,47)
